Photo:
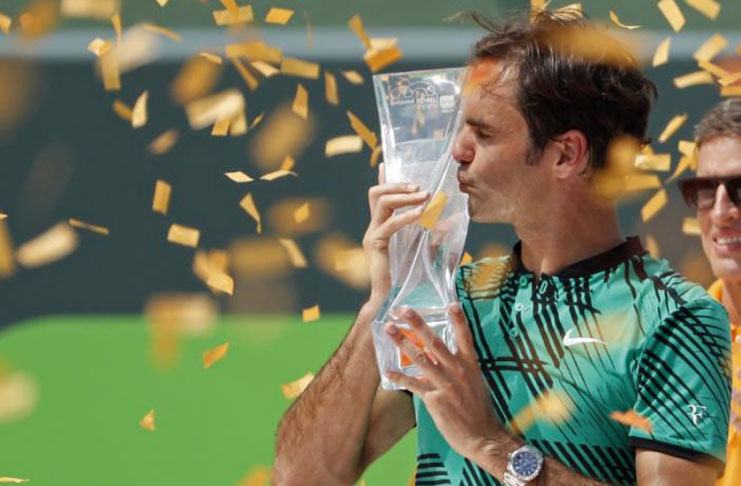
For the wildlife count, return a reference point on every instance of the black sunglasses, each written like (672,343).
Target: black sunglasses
(699,192)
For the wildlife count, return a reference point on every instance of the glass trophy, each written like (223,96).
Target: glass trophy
(420,115)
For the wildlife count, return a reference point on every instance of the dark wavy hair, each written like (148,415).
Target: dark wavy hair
(561,86)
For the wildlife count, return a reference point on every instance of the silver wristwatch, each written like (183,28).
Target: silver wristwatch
(523,466)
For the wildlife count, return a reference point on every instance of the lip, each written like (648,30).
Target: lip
(727,249)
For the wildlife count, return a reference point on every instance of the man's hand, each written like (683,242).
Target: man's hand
(452,389)
(384,199)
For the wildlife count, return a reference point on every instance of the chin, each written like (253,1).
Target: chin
(727,269)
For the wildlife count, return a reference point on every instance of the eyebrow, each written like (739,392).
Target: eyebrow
(481,124)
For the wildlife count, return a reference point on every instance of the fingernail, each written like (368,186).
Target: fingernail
(412,187)
(419,209)
(392,330)
(455,307)
(407,312)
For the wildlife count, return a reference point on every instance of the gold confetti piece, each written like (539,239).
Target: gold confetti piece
(672,127)
(278,15)
(7,259)
(537,6)
(632,419)
(353,76)
(294,252)
(288,163)
(300,104)
(5,23)
(245,73)
(570,9)
(713,69)
(161,199)
(641,182)
(466,258)
(3,216)
(693,79)
(258,476)
(661,56)
(183,235)
(196,79)
(672,13)
(207,111)
(221,128)
(257,120)
(433,210)
(686,148)
(356,25)
(375,156)
(139,113)
(284,133)
(330,88)
(265,69)
(654,205)
(52,245)
(92,227)
(295,388)
(117,28)
(231,5)
(297,67)
(343,259)
(730,79)
(163,143)
(709,8)
(657,162)
(710,48)
(691,226)
(343,145)
(301,214)
(277,175)
(652,246)
(311,314)
(211,57)
(89,9)
(255,51)
(122,109)
(9,480)
(552,407)
(228,17)
(221,282)
(163,31)
(214,355)
(19,395)
(683,165)
(238,125)
(616,21)
(377,59)
(99,46)
(147,422)
(162,3)
(109,68)
(368,136)
(239,176)
(248,204)
(730,91)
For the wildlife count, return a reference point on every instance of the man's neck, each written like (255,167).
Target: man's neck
(563,241)
(732,299)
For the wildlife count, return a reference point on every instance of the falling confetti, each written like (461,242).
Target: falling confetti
(300,104)
(147,422)
(672,127)
(76,223)
(330,88)
(161,199)
(297,67)
(295,388)
(248,204)
(343,145)
(661,56)
(278,15)
(163,31)
(693,79)
(709,8)
(230,17)
(164,142)
(214,355)
(616,21)
(672,13)
(368,136)
(632,419)
(294,252)
(710,48)
(311,314)
(139,113)
(52,245)
(434,209)
(353,77)
(691,226)
(183,235)
(239,176)
(654,205)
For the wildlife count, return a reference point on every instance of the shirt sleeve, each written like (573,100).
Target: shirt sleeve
(683,383)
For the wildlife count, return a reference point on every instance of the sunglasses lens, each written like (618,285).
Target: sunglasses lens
(734,190)
(698,193)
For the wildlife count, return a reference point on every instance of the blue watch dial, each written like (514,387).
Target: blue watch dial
(525,463)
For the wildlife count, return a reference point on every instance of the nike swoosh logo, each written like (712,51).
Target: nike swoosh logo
(569,341)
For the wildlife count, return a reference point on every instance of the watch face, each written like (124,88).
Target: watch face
(525,463)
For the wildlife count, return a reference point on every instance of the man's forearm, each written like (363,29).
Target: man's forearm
(494,457)
(320,437)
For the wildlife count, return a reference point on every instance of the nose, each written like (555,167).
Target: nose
(463,152)
(723,210)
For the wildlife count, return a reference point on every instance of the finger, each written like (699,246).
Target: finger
(463,336)
(388,203)
(382,173)
(429,338)
(415,385)
(396,222)
(375,192)
(416,354)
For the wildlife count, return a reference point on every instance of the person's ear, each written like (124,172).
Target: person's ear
(572,154)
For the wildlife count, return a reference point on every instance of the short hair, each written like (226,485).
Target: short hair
(723,120)
(560,88)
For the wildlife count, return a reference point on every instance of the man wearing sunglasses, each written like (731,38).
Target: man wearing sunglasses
(576,328)
(716,195)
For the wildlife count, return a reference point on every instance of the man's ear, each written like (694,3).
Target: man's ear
(572,154)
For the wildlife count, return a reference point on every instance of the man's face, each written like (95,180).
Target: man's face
(721,226)
(493,148)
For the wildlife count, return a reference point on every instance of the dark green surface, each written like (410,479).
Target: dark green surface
(96,382)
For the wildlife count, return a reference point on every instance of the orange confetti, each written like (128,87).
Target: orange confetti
(710,48)
(295,388)
(709,8)
(693,79)
(466,258)
(5,23)
(278,15)
(265,69)
(297,67)
(343,145)
(211,57)
(183,235)
(99,46)
(76,223)
(52,245)
(116,22)
(375,156)
(616,21)
(672,13)
(122,109)
(654,205)
(248,204)
(294,252)
(300,104)
(246,75)
(301,213)
(214,355)
(230,17)
(277,174)
(147,422)
(353,76)
(163,31)
(356,25)
(139,113)
(672,127)
(161,200)
(661,56)
(311,314)
(434,209)
(691,226)
(330,88)
(632,419)
(379,58)
(239,176)
(368,136)
(163,143)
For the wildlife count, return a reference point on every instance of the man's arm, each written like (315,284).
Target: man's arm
(344,420)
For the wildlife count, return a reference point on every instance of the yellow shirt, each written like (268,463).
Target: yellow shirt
(732,474)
